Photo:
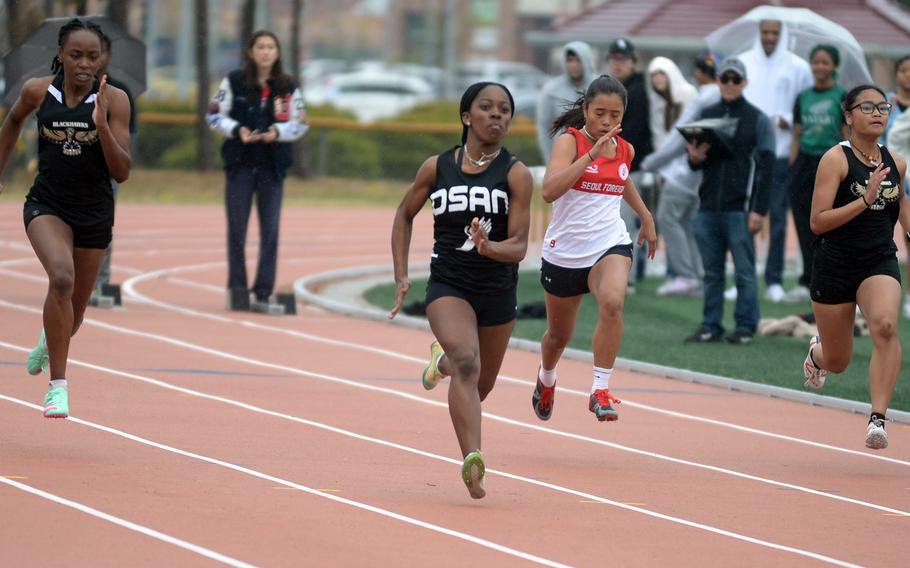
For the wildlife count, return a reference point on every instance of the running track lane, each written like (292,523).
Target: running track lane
(516,513)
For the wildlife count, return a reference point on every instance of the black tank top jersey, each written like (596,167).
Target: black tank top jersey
(457,198)
(872,231)
(72,173)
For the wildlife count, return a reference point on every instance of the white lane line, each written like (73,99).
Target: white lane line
(130,289)
(202,551)
(364,506)
(379,441)
(17,261)
(411,397)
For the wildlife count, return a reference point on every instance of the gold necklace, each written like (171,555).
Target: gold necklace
(868,157)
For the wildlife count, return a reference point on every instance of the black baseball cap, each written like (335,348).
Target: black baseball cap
(622,46)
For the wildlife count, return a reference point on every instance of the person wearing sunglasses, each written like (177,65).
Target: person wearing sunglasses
(858,198)
(733,206)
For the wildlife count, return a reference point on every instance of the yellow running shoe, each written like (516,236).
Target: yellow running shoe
(432,374)
(472,472)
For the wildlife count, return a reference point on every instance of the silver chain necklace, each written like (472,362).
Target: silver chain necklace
(484,158)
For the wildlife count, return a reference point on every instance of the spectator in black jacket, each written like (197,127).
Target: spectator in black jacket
(636,129)
(260,111)
(734,202)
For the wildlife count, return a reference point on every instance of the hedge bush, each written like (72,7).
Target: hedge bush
(333,152)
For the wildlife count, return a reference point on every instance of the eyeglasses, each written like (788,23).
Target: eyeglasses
(730,78)
(869,108)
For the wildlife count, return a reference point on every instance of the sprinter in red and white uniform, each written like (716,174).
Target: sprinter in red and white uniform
(587,247)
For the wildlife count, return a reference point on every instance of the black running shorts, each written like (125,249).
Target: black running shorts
(490,308)
(836,276)
(95,236)
(568,282)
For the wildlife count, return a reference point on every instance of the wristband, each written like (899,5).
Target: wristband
(868,205)
(589,155)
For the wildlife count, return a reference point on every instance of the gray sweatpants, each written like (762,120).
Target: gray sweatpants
(675,211)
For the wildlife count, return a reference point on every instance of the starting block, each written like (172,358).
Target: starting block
(289,301)
(108,297)
(240,300)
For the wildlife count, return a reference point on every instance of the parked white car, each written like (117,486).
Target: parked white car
(372,95)
(523,80)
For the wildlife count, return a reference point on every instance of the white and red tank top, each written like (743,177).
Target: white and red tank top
(586,221)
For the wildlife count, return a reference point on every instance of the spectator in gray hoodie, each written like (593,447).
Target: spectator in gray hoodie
(562,91)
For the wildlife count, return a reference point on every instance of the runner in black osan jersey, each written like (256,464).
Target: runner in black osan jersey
(480,196)
(83,142)
(858,198)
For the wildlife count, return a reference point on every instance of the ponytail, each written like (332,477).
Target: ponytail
(574,116)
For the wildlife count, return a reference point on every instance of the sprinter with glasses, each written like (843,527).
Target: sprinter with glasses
(858,198)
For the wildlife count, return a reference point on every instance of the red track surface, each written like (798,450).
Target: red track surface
(308,439)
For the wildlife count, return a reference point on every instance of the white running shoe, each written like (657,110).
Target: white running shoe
(678,286)
(797,295)
(730,293)
(815,376)
(876,437)
(775,293)
(906,308)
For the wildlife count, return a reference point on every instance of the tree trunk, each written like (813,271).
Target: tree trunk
(118,11)
(206,146)
(13,29)
(247,21)
(301,146)
(81,7)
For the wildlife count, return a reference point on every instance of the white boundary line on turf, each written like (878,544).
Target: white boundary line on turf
(202,551)
(303,286)
(130,289)
(411,397)
(337,499)
(558,488)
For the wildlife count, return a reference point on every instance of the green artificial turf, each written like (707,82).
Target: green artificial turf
(656,326)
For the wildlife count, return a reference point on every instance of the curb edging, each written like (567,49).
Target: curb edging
(306,289)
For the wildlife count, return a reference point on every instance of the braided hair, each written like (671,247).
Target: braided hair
(65,30)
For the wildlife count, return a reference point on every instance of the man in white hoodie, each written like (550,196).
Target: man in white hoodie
(778,77)
(563,90)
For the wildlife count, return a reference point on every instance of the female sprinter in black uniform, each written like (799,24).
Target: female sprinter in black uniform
(83,142)
(481,198)
(858,199)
